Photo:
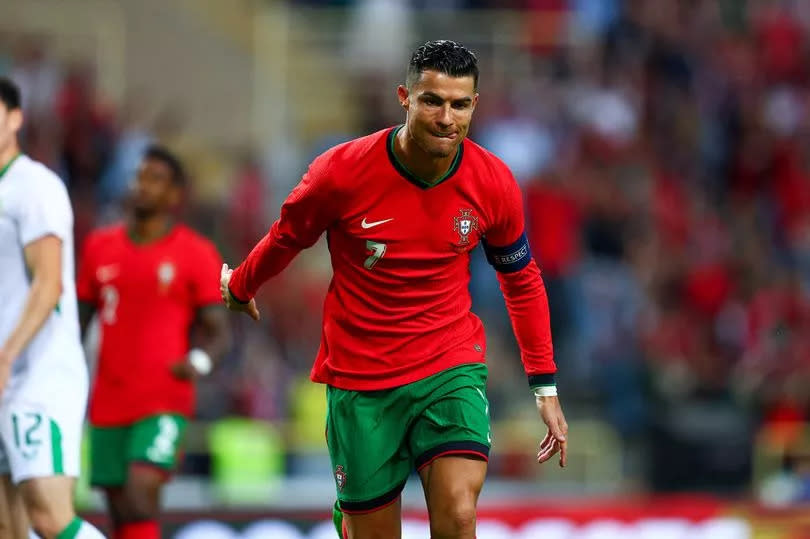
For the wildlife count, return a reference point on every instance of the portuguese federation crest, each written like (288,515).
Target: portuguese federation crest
(464,224)
(166,273)
(340,477)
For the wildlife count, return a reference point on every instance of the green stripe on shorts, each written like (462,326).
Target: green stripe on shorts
(56,449)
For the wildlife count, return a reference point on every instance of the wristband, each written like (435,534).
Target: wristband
(545,391)
(200,361)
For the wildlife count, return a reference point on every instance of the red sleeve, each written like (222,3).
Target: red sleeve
(86,284)
(526,302)
(306,213)
(521,284)
(205,275)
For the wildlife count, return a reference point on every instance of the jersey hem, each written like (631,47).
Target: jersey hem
(130,420)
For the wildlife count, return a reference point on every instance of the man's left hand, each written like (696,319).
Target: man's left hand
(556,438)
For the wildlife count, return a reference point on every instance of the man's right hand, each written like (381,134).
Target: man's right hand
(231,303)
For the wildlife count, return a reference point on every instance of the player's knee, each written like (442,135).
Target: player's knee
(141,506)
(455,517)
(142,493)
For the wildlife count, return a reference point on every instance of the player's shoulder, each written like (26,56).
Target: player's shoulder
(103,235)
(102,238)
(481,157)
(190,238)
(361,148)
(37,180)
(36,173)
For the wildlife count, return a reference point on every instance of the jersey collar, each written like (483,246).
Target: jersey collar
(8,165)
(407,174)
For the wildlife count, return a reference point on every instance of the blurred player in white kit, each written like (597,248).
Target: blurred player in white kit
(43,375)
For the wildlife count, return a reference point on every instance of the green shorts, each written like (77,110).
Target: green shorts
(376,438)
(154,440)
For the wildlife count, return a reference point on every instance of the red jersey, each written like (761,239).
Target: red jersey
(146,298)
(398,307)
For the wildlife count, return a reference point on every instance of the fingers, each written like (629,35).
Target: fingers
(555,441)
(563,442)
(556,429)
(546,446)
(253,311)
(549,451)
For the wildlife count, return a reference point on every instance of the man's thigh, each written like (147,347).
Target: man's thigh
(156,440)
(40,439)
(108,455)
(366,434)
(454,418)
(13,520)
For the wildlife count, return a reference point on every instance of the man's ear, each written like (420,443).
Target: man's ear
(404,96)
(15,119)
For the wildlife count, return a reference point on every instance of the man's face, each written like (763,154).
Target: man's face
(440,109)
(10,123)
(153,190)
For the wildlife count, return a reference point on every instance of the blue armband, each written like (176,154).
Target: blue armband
(511,258)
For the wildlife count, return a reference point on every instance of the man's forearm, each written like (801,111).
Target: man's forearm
(271,255)
(43,297)
(215,335)
(527,304)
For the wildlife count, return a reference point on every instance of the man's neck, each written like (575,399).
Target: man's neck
(8,154)
(148,229)
(425,167)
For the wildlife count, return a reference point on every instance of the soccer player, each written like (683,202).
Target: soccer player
(151,281)
(401,354)
(43,375)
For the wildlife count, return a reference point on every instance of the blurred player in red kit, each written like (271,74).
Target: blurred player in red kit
(149,280)
(402,356)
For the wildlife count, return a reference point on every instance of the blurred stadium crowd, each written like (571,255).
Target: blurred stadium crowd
(664,152)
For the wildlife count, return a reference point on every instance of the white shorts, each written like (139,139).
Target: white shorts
(41,427)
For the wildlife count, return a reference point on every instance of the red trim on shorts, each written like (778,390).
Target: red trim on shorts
(167,474)
(478,454)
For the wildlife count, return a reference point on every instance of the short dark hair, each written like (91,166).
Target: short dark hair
(444,56)
(162,154)
(9,93)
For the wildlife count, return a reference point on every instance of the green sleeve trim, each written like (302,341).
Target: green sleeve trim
(8,165)
(71,530)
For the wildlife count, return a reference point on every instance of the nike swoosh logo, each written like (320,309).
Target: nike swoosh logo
(364,224)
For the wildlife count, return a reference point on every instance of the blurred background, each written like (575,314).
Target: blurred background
(664,152)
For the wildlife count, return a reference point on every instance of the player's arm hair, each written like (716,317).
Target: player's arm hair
(212,331)
(86,312)
(43,258)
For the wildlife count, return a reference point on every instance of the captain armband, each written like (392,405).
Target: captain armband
(510,258)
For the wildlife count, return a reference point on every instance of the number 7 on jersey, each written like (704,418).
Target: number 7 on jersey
(378,251)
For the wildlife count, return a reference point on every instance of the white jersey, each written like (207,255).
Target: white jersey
(42,406)
(33,204)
